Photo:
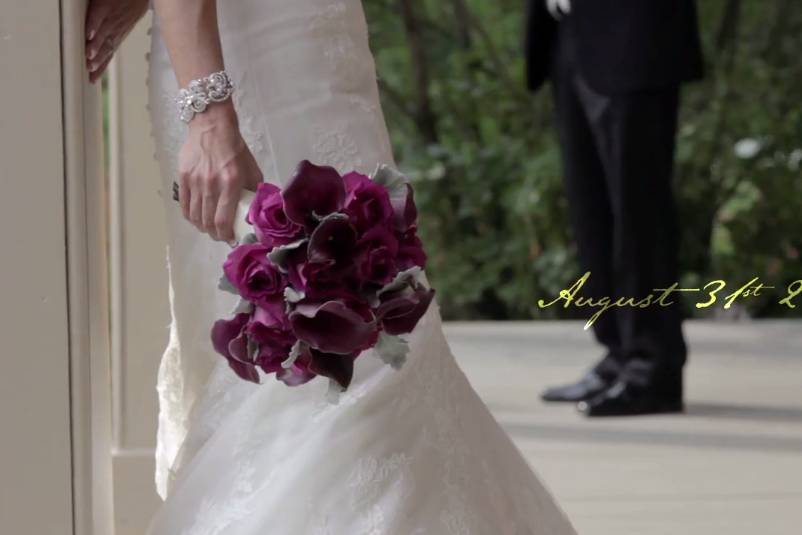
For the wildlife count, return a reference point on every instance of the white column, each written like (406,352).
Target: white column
(138,283)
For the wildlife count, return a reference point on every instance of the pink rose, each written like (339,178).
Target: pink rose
(254,276)
(270,222)
(270,330)
(410,250)
(376,256)
(366,202)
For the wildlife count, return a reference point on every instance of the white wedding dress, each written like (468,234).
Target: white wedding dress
(404,452)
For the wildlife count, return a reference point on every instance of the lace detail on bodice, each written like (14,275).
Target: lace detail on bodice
(326,18)
(250,126)
(334,145)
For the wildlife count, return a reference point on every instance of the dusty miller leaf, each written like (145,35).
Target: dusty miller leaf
(279,254)
(392,350)
(225,285)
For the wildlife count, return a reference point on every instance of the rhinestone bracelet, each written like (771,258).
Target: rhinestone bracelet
(197,96)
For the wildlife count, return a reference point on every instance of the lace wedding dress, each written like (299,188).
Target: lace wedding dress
(407,452)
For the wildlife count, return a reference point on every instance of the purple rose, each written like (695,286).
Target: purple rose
(313,192)
(401,310)
(410,250)
(366,202)
(335,326)
(376,256)
(270,330)
(271,224)
(254,276)
(229,338)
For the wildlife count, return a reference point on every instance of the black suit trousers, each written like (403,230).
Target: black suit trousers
(618,153)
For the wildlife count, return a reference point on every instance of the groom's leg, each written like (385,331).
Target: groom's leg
(589,203)
(636,133)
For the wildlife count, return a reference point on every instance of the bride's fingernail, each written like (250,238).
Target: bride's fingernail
(92,33)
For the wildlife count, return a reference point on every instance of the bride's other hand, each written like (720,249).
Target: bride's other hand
(214,166)
(108,22)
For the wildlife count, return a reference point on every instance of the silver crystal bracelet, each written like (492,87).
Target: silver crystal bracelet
(197,96)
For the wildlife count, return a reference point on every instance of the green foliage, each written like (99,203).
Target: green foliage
(485,162)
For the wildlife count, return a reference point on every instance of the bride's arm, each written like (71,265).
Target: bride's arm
(214,164)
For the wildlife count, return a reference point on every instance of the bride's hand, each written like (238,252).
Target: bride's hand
(214,166)
(108,22)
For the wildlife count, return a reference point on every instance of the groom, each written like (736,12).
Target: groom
(615,68)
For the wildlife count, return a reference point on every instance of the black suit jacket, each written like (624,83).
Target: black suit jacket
(621,45)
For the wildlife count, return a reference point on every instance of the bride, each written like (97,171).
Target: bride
(405,452)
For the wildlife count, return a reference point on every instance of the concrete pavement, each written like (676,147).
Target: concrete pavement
(732,465)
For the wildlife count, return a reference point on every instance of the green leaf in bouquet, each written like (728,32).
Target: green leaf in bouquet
(242,307)
(389,177)
(253,350)
(393,181)
(225,285)
(292,296)
(392,350)
(334,215)
(401,280)
(279,254)
(297,348)
(334,392)
(248,239)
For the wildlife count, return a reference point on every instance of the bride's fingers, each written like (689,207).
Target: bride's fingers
(95,75)
(209,211)
(184,194)
(105,34)
(95,16)
(224,217)
(102,57)
(196,207)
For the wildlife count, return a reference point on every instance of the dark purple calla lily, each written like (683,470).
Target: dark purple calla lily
(332,241)
(334,327)
(400,311)
(230,340)
(339,368)
(313,191)
(321,281)
(266,214)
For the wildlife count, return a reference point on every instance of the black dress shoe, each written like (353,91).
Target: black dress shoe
(587,387)
(626,399)
(593,383)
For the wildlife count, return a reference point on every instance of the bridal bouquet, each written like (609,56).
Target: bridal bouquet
(326,268)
